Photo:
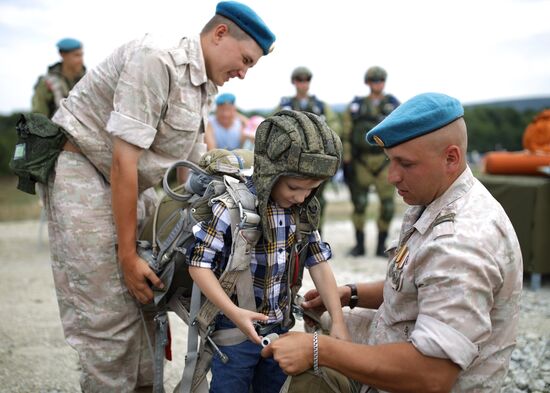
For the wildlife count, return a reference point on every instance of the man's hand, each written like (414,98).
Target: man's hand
(137,275)
(293,351)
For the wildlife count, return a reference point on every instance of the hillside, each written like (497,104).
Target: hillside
(520,104)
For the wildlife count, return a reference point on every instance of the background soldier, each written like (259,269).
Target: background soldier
(303,101)
(61,77)
(366,165)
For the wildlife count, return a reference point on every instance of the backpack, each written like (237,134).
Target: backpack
(167,239)
(39,142)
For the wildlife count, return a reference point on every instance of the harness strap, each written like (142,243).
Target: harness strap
(192,342)
(161,339)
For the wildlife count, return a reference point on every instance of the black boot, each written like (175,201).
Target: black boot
(359,248)
(380,248)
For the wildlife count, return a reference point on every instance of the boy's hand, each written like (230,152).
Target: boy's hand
(244,320)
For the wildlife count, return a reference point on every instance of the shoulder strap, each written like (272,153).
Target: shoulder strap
(237,278)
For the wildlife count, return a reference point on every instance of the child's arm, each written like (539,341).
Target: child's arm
(325,283)
(211,288)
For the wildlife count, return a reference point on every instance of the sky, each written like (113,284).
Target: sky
(474,50)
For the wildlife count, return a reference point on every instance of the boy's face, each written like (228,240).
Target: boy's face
(290,191)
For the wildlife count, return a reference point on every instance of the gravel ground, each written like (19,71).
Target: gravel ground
(35,358)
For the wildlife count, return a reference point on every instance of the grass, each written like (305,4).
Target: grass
(17,205)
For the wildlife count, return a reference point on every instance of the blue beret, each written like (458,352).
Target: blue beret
(225,98)
(420,115)
(68,44)
(244,17)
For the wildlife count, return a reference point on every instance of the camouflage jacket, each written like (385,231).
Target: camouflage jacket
(51,88)
(453,285)
(313,105)
(362,114)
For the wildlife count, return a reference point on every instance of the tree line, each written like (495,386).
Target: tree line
(489,128)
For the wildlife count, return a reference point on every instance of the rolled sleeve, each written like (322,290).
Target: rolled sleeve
(436,339)
(131,130)
(318,251)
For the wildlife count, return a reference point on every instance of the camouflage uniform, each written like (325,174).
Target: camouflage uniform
(100,320)
(453,286)
(321,109)
(51,88)
(366,165)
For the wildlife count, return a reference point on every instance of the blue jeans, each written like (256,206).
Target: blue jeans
(246,367)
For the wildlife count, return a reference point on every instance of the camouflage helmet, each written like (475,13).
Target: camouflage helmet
(375,73)
(300,72)
(292,143)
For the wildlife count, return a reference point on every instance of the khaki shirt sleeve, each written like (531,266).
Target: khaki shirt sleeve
(42,98)
(139,98)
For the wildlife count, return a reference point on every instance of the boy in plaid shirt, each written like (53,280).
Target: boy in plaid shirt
(294,153)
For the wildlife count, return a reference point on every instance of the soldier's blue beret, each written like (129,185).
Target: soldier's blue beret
(225,98)
(418,116)
(244,17)
(68,44)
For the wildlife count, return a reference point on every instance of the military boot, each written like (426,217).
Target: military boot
(381,247)
(359,248)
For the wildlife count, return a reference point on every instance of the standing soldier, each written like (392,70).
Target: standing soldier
(127,121)
(61,77)
(303,101)
(364,164)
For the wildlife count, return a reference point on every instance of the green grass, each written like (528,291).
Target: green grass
(17,205)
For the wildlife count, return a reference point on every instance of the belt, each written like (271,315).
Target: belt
(68,146)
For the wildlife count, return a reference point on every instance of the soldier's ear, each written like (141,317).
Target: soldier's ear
(453,157)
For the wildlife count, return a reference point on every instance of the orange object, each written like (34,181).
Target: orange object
(515,163)
(536,137)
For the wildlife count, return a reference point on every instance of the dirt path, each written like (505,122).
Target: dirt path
(33,353)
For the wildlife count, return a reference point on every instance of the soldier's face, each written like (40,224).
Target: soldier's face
(227,57)
(73,60)
(376,87)
(290,191)
(225,114)
(418,171)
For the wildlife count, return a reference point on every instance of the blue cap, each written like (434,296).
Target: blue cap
(418,116)
(225,98)
(68,44)
(244,17)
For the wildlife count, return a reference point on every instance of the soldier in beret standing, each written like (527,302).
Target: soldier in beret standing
(447,313)
(127,121)
(61,77)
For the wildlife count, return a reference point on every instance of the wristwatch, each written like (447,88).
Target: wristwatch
(353,298)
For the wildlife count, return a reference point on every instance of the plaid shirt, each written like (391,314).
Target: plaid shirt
(269,260)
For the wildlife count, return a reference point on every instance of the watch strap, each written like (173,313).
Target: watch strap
(353,298)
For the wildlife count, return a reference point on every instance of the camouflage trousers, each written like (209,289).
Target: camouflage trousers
(372,172)
(101,321)
(331,381)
